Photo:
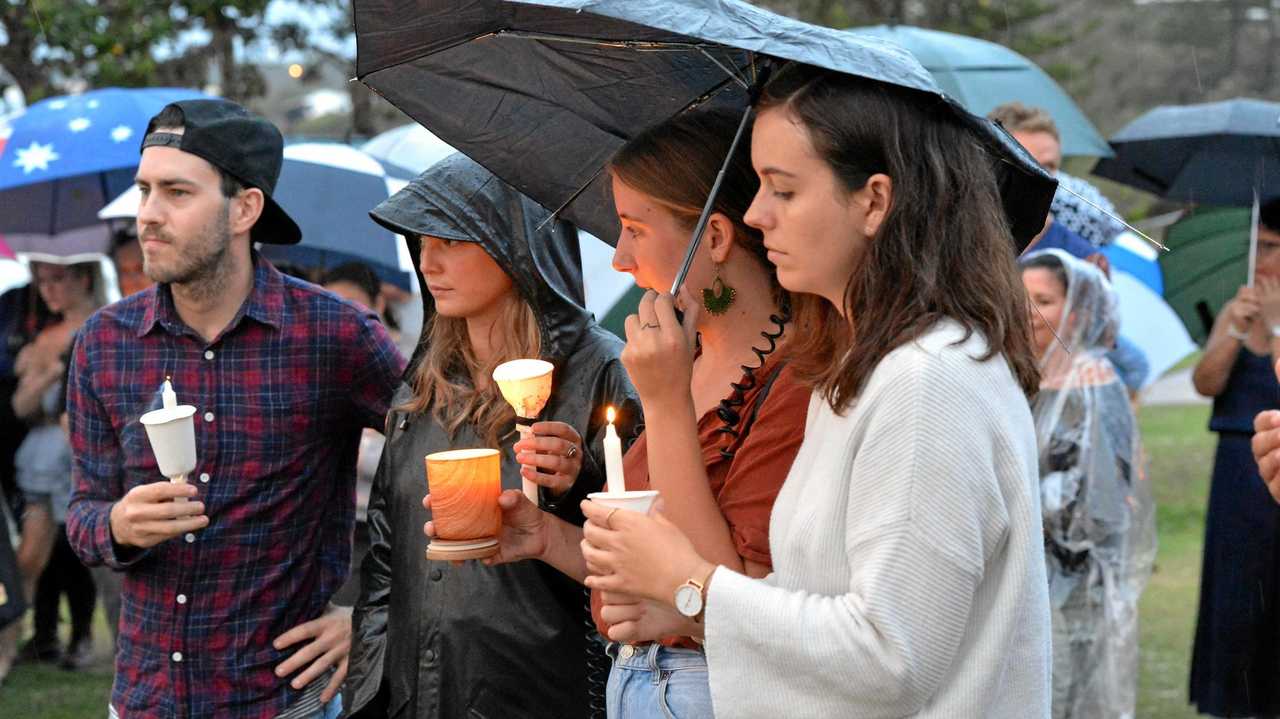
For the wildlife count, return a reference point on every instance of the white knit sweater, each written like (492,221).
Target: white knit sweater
(908,557)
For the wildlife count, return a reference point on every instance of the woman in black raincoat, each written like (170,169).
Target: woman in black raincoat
(467,640)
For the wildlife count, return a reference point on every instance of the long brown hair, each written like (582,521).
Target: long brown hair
(443,382)
(944,249)
(675,163)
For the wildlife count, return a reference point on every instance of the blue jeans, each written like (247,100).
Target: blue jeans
(657,681)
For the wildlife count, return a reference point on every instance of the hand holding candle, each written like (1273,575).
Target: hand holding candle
(464,486)
(171,431)
(526,386)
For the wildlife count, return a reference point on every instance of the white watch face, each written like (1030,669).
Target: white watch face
(688,600)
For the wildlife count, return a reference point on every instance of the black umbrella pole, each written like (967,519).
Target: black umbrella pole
(711,202)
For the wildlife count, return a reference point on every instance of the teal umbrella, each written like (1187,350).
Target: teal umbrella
(982,75)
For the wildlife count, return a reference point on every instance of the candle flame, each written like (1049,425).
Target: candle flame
(610,415)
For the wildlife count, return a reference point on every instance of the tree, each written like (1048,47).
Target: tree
(341,28)
(228,21)
(50,45)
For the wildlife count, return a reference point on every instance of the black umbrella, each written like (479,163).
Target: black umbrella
(543,93)
(1215,153)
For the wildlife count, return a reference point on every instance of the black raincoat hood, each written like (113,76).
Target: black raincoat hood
(457,199)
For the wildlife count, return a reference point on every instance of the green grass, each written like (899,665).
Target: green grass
(1180,451)
(47,692)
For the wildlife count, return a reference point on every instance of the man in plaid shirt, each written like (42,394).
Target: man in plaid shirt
(226,596)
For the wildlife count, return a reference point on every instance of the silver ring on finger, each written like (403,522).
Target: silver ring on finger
(571,452)
(647,326)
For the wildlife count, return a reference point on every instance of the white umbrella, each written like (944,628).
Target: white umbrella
(411,146)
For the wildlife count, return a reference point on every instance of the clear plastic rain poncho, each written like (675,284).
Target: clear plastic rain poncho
(1099,522)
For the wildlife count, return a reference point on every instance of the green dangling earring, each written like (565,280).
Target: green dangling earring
(719,296)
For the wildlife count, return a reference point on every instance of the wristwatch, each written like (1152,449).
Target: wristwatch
(1241,335)
(691,597)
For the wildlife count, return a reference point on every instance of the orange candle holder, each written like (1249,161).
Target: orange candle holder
(464,486)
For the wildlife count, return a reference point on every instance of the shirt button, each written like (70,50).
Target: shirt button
(430,656)
(190,538)
(208,416)
(436,574)
(208,354)
(182,599)
(177,656)
(204,476)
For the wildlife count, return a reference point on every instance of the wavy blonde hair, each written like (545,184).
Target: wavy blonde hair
(445,379)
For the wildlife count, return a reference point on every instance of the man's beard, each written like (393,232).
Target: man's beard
(202,263)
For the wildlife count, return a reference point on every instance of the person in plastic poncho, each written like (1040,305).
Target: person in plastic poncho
(1099,527)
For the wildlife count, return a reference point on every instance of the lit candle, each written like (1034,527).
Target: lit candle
(169,396)
(613,457)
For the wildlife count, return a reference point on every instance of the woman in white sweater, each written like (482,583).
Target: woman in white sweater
(908,557)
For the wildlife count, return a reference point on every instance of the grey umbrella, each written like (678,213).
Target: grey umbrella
(1214,153)
(543,93)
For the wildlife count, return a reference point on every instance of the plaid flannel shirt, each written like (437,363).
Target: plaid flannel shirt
(281,397)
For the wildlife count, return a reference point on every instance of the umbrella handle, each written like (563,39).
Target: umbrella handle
(753,94)
(1253,238)
(705,217)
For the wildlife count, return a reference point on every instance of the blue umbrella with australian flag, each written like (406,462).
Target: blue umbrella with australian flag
(66,157)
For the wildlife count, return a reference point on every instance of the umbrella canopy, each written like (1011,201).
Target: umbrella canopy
(982,75)
(543,93)
(1216,153)
(1206,265)
(411,146)
(87,239)
(1083,209)
(106,286)
(68,156)
(1146,319)
(328,189)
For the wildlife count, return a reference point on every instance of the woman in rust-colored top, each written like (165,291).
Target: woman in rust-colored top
(723,423)
(744,469)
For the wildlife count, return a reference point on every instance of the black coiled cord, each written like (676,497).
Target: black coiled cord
(728,412)
(598,666)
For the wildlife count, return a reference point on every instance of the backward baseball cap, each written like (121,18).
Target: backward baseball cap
(244,145)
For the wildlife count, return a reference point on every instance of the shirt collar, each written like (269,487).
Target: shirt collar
(264,304)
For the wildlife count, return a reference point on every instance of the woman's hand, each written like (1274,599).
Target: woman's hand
(659,351)
(632,619)
(1243,308)
(635,554)
(523,534)
(552,457)
(1267,292)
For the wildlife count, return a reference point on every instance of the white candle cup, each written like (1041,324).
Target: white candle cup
(526,385)
(172,434)
(640,500)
